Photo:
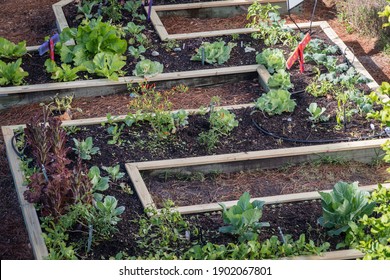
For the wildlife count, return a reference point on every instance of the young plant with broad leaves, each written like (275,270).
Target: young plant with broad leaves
(275,102)
(272,59)
(346,203)
(85,148)
(217,52)
(243,219)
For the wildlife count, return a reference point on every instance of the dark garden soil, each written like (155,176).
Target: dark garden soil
(201,188)
(34,22)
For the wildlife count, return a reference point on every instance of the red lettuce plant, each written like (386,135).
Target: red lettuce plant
(55,187)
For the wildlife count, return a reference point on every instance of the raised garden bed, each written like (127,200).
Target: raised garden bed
(34,93)
(364,151)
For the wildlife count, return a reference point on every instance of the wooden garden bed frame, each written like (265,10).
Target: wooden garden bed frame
(18,95)
(360,150)
(164,36)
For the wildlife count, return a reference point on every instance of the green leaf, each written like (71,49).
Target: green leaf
(10,50)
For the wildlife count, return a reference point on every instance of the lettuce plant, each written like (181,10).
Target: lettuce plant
(10,50)
(147,68)
(217,52)
(107,65)
(343,205)
(280,80)
(243,218)
(275,102)
(272,59)
(11,73)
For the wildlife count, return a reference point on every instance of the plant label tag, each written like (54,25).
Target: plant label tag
(150,9)
(45,46)
(298,53)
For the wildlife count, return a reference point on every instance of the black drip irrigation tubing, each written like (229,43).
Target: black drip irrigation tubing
(13,141)
(322,141)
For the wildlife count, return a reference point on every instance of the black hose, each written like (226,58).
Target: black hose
(13,141)
(322,141)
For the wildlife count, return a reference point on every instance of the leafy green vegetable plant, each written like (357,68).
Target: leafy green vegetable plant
(243,218)
(163,232)
(10,50)
(99,49)
(344,204)
(222,122)
(317,113)
(85,148)
(11,73)
(217,52)
(271,248)
(272,59)
(63,73)
(371,234)
(147,68)
(269,25)
(99,183)
(386,14)
(280,80)
(381,97)
(114,172)
(275,102)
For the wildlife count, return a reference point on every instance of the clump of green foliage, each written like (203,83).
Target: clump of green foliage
(217,52)
(276,102)
(243,219)
(147,68)
(269,25)
(11,73)
(10,50)
(346,203)
(222,122)
(272,59)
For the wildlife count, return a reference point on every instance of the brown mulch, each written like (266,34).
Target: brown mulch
(28,20)
(186,189)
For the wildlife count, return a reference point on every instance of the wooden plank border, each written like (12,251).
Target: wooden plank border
(163,34)
(28,211)
(280,157)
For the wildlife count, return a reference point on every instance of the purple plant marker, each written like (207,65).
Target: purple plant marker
(150,9)
(44,48)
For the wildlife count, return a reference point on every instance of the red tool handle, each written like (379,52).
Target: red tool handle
(51,49)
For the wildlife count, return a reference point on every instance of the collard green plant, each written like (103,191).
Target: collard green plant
(217,52)
(272,59)
(276,102)
(344,204)
(10,50)
(147,68)
(317,113)
(114,172)
(99,183)
(243,219)
(11,73)
(85,148)
(280,80)
(137,52)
